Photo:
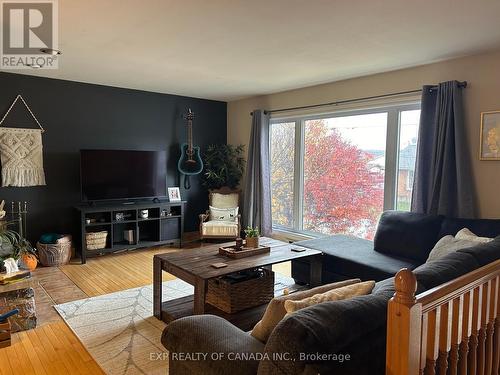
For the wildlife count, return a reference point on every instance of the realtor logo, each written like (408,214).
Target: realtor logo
(28,29)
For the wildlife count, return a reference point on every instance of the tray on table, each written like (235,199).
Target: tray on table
(231,252)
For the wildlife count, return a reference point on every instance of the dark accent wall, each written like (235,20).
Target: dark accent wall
(86,116)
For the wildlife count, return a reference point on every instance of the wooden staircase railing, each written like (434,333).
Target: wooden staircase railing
(451,329)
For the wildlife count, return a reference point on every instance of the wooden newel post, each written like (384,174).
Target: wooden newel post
(404,323)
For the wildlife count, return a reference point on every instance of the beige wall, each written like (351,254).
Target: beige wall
(482,72)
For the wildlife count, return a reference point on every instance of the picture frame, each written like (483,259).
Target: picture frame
(174,194)
(489,146)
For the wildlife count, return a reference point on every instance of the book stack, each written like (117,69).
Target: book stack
(9,278)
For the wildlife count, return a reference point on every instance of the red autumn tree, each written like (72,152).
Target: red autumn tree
(343,191)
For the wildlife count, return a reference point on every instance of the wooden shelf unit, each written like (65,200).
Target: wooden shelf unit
(156,230)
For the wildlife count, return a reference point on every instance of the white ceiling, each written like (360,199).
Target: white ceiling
(230,49)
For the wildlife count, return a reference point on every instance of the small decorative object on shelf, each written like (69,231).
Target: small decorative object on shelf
(119,216)
(252,237)
(128,235)
(174,194)
(144,214)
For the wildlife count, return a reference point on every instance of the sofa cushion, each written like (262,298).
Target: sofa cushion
(364,358)
(445,269)
(480,227)
(223,214)
(328,328)
(211,334)
(220,228)
(447,245)
(484,253)
(337,294)
(354,257)
(407,234)
(466,234)
(387,289)
(275,310)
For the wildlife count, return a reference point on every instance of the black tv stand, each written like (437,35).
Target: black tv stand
(164,225)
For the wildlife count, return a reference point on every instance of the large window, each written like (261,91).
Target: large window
(337,173)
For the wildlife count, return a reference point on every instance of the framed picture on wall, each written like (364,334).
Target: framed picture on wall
(489,148)
(174,194)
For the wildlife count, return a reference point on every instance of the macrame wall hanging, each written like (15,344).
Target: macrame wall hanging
(21,152)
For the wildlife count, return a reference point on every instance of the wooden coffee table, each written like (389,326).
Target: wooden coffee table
(194,267)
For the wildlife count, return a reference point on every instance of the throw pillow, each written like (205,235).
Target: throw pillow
(466,234)
(346,292)
(223,214)
(448,244)
(224,200)
(275,311)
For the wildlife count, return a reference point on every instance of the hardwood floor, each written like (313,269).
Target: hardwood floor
(52,348)
(115,272)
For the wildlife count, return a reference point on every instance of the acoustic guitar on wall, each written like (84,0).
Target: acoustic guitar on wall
(190,162)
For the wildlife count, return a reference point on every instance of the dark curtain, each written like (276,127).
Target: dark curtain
(257,201)
(443,182)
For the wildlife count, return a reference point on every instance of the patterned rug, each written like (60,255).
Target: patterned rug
(119,329)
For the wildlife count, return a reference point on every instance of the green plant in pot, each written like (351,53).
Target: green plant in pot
(252,237)
(224,166)
(12,245)
(8,239)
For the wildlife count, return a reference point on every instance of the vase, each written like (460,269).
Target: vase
(252,242)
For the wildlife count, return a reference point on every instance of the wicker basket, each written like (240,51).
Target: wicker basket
(54,254)
(242,295)
(96,240)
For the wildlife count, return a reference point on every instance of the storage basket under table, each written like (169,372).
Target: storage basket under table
(54,254)
(96,240)
(234,297)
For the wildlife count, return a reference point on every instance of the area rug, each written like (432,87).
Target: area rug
(120,331)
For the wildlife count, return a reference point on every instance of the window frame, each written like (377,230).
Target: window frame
(393,130)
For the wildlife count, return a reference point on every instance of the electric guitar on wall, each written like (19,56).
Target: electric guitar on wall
(190,162)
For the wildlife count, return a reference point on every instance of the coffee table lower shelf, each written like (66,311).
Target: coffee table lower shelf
(181,307)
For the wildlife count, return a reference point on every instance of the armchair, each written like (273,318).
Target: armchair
(225,222)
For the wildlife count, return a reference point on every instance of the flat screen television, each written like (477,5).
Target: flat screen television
(122,174)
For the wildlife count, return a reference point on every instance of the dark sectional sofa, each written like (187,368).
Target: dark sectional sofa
(356,327)
(402,240)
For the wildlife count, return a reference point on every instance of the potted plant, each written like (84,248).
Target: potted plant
(12,245)
(8,238)
(252,237)
(224,166)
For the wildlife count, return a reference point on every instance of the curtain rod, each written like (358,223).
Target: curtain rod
(462,84)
